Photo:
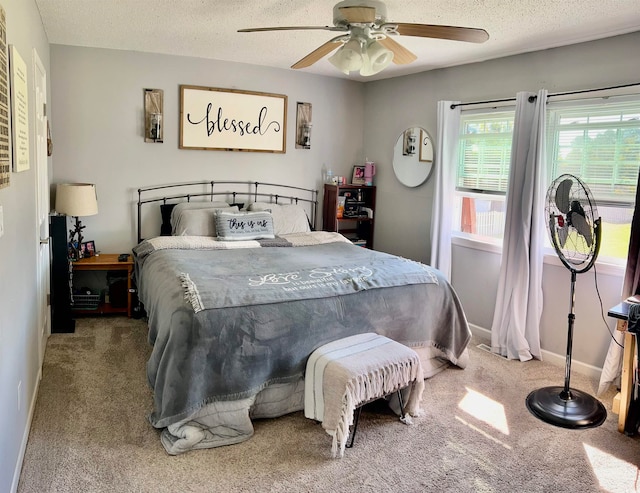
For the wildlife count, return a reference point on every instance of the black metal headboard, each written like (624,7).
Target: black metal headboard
(229,191)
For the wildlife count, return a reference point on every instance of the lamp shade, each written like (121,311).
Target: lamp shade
(76,199)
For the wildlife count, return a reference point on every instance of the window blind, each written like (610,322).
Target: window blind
(599,143)
(485,152)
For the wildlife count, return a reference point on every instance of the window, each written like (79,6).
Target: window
(600,144)
(483,174)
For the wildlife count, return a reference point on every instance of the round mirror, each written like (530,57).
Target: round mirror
(413,157)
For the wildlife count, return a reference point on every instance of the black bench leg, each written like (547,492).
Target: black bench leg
(357,418)
(355,427)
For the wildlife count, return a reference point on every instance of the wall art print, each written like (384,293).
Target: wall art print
(19,110)
(232,120)
(5,130)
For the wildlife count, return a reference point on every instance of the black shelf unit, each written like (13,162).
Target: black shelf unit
(354,224)
(61,316)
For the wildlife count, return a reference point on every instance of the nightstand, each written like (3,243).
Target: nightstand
(106,262)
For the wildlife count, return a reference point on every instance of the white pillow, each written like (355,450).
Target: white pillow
(287,218)
(181,206)
(198,222)
(232,226)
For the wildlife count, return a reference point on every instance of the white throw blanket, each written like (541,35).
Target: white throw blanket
(212,243)
(342,375)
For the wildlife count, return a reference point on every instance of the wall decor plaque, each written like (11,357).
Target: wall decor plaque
(232,120)
(5,133)
(19,110)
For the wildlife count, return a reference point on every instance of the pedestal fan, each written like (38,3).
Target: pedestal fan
(574,230)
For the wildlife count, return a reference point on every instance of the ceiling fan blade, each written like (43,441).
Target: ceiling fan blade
(582,226)
(358,15)
(562,195)
(401,55)
(292,28)
(318,53)
(455,33)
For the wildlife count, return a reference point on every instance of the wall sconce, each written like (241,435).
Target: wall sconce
(409,147)
(303,126)
(153,127)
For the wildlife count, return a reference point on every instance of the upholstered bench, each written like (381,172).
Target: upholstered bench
(344,375)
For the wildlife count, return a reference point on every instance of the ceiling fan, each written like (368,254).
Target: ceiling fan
(367,44)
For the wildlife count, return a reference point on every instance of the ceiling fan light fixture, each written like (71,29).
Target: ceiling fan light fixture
(376,58)
(349,57)
(364,22)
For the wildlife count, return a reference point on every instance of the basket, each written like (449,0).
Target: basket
(85,301)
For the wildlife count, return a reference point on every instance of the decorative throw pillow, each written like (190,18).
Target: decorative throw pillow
(244,225)
(198,222)
(181,206)
(287,218)
(165,211)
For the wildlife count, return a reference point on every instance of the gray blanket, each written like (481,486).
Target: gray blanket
(219,353)
(270,276)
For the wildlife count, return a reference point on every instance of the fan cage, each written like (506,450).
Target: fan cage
(574,250)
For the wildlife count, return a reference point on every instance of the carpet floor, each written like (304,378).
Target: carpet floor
(90,434)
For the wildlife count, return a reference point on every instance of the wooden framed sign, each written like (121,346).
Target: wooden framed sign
(232,120)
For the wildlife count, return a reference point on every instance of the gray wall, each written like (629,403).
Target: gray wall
(98,129)
(403,213)
(19,360)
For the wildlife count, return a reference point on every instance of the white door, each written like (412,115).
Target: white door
(42,206)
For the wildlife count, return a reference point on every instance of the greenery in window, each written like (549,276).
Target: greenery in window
(600,143)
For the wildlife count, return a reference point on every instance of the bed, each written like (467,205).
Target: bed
(240,289)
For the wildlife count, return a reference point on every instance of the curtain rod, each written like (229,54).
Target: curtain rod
(533,98)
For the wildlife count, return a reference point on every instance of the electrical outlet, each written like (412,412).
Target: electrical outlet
(1,222)
(19,395)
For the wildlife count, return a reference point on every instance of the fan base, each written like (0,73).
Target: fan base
(577,410)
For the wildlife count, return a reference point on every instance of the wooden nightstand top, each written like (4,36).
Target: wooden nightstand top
(104,261)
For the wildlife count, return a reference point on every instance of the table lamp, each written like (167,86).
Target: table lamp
(76,199)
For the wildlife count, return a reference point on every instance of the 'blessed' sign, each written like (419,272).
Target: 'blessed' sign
(225,119)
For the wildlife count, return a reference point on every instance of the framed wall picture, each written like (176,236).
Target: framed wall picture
(19,110)
(358,175)
(426,147)
(232,120)
(5,130)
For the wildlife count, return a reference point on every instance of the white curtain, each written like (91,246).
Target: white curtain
(515,332)
(448,133)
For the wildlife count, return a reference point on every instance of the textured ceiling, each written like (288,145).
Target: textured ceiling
(207,28)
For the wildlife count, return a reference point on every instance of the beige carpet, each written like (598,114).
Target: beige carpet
(90,434)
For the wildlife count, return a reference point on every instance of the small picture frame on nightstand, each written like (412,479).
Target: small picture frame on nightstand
(358,175)
(88,249)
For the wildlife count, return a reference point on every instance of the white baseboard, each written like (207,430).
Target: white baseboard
(553,358)
(25,434)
